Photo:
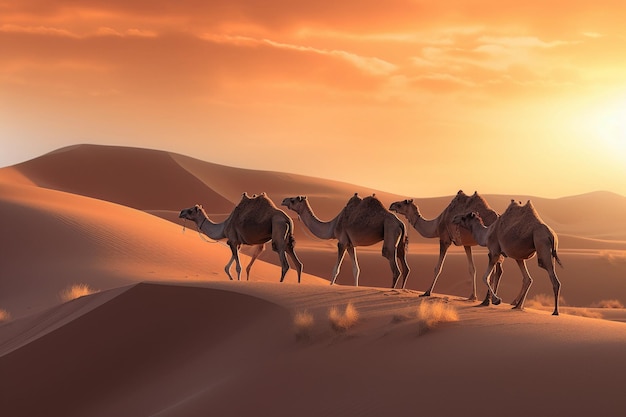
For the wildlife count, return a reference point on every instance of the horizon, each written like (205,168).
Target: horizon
(450,194)
(412,98)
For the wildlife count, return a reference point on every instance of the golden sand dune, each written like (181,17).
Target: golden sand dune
(166,334)
(229,349)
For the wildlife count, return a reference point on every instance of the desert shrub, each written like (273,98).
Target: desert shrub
(583,312)
(607,304)
(4,315)
(303,323)
(432,312)
(75,291)
(340,322)
(543,300)
(614,256)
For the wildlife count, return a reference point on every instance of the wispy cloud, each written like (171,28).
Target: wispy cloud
(371,65)
(62,32)
(38,30)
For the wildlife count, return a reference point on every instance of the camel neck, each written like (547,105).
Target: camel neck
(426,228)
(212,230)
(321,229)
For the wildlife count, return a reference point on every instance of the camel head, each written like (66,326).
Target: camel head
(191,213)
(404,207)
(296,204)
(466,220)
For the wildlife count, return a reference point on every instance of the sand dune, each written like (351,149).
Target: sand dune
(222,348)
(166,334)
(55,239)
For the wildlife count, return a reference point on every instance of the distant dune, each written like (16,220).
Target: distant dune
(164,332)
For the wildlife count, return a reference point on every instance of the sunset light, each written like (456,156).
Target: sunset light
(339,84)
(312,208)
(608,125)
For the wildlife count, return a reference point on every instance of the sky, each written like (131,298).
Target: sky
(418,98)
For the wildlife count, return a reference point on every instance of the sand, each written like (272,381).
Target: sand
(165,333)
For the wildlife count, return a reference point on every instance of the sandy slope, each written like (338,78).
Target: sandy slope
(168,335)
(227,349)
(54,239)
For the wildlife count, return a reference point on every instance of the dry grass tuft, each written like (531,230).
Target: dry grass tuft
(76,291)
(583,312)
(614,257)
(303,323)
(4,316)
(607,304)
(340,322)
(540,301)
(433,312)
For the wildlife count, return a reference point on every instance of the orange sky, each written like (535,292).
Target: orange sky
(415,97)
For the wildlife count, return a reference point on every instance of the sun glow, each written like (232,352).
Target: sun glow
(606,126)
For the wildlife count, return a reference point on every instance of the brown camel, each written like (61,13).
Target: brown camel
(254,221)
(362,222)
(443,227)
(518,233)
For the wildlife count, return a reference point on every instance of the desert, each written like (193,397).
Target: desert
(113,305)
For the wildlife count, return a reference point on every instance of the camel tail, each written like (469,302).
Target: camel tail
(556,257)
(554,254)
(291,240)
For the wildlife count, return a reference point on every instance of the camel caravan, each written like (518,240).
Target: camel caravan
(519,233)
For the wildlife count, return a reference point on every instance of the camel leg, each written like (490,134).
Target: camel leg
(258,249)
(284,264)
(390,251)
(546,257)
(472,271)
(401,256)
(227,267)
(526,283)
(556,287)
(279,245)
(495,282)
(443,248)
(548,265)
(393,264)
(493,260)
(292,254)
(356,270)
(235,257)
(341,252)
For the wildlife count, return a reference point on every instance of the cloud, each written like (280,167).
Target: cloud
(140,33)
(37,30)
(365,47)
(371,65)
(524,42)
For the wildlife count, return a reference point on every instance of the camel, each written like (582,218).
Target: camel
(448,233)
(362,222)
(254,221)
(519,233)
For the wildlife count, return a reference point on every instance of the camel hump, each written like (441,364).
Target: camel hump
(518,211)
(372,203)
(476,203)
(460,199)
(459,205)
(370,208)
(520,219)
(257,201)
(258,206)
(354,201)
